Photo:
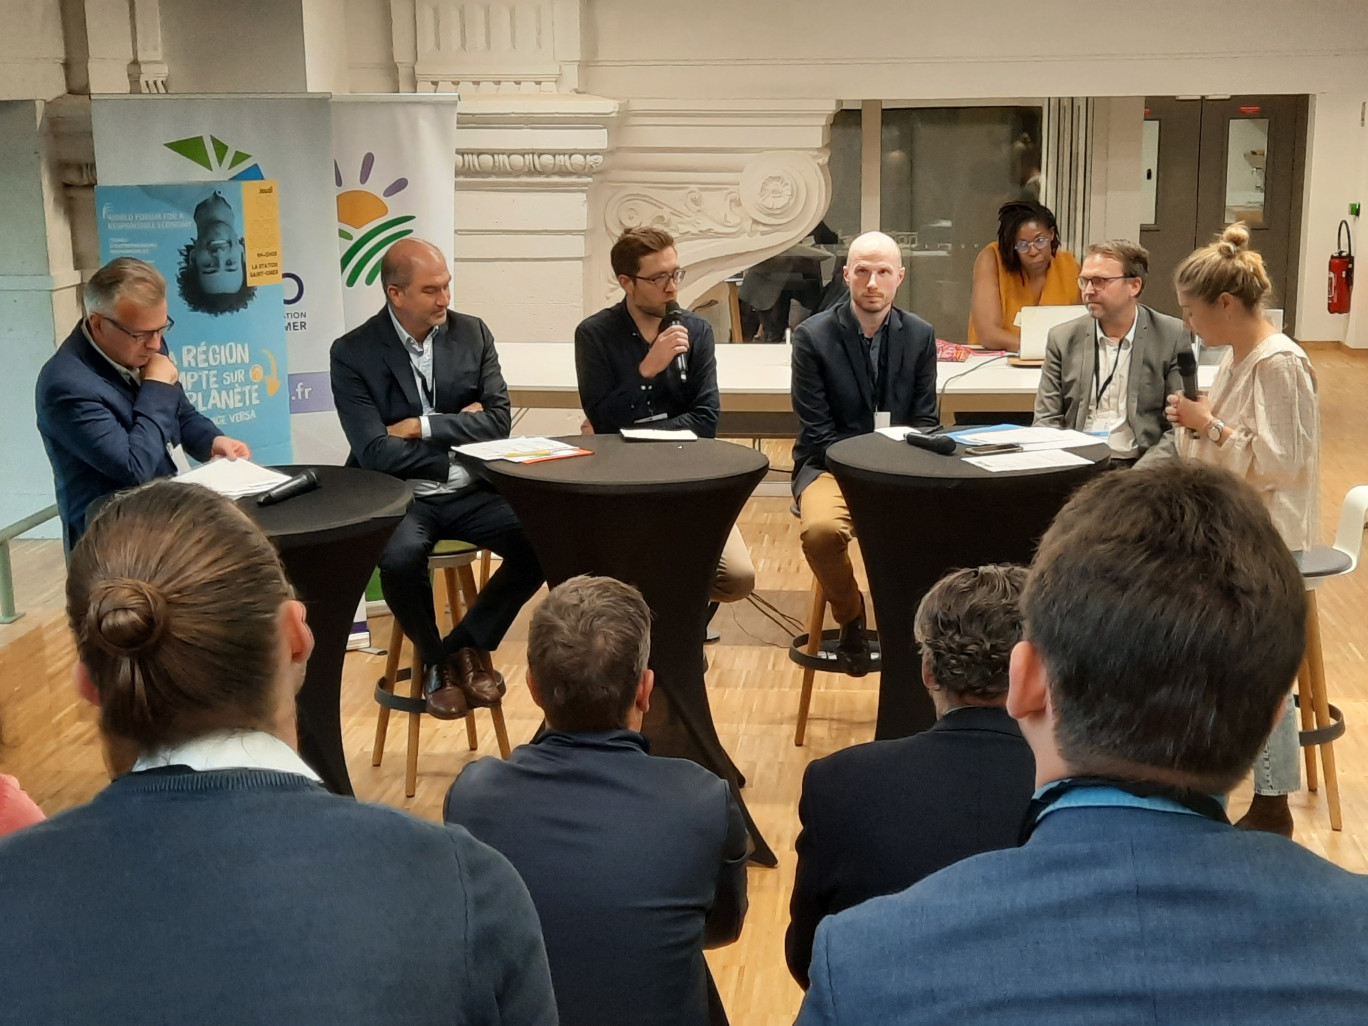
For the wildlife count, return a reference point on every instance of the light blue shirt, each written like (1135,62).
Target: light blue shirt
(420,358)
(1101,797)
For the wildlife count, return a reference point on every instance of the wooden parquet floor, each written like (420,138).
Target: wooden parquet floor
(49,739)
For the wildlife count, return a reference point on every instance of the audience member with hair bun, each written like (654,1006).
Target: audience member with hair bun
(215,880)
(878,817)
(1024,267)
(1261,421)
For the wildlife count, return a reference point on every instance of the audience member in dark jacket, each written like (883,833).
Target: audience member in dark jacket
(216,882)
(635,863)
(880,816)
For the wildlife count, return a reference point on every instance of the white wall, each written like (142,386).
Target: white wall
(234,46)
(948,48)
(1336,175)
(31,50)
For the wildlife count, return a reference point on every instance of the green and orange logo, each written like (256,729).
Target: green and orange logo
(372,229)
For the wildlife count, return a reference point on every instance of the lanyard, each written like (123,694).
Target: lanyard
(1097,368)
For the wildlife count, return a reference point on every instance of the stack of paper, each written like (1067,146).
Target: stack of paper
(658,435)
(233,478)
(1031,439)
(520,450)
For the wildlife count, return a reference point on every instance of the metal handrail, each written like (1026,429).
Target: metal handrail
(8,614)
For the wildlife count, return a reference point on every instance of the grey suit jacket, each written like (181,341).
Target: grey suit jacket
(1067,376)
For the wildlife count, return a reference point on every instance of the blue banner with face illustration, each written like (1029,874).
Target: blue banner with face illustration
(218,246)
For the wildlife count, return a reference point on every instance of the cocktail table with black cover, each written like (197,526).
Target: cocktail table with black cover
(655,515)
(919,515)
(329,540)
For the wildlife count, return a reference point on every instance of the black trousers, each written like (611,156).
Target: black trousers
(480,517)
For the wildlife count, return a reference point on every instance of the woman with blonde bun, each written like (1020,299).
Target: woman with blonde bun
(214,880)
(1261,421)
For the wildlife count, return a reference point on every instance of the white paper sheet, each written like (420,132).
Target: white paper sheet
(898,434)
(1038,460)
(233,478)
(658,435)
(1031,438)
(503,448)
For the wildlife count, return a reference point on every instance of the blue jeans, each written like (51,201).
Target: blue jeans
(1277,770)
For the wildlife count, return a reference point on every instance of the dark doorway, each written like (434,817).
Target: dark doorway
(1210,162)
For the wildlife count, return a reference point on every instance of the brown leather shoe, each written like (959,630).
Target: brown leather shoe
(483,686)
(445,699)
(1269,813)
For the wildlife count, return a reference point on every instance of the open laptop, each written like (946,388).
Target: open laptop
(1036,322)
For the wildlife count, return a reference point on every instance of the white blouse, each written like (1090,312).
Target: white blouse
(1268,399)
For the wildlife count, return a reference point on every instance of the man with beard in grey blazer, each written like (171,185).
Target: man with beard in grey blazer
(1108,372)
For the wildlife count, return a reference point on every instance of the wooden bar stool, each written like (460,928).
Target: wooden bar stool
(453,559)
(816,650)
(1322,723)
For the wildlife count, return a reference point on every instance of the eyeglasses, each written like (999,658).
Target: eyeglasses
(1039,242)
(659,280)
(142,337)
(1099,281)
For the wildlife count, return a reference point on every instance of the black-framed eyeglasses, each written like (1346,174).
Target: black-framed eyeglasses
(659,280)
(142,337)
(1039,242)
(1099,281)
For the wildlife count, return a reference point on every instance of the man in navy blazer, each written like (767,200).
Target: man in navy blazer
(850,363)
(635,863)
(410,383)
(1164,624)
(110,406)
(880,816)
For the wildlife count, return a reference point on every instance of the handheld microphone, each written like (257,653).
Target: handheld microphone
(944,445)
(673,316)
(1187,368)
(305,481)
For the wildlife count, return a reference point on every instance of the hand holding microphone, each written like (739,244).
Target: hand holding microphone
(671,345)
(1187,409)
(674,318)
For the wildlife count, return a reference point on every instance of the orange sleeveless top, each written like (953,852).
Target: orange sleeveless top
(1061,287)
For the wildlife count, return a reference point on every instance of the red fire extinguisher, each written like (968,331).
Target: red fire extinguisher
(1341,271)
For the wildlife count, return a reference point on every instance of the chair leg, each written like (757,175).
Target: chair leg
(472,735)
(416,691)
(816,617)
(396,646)
(1306,706)
(484,568)
(500,732)
(453,614)
(1316,662)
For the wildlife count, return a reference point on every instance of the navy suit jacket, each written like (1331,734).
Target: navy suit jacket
(833,386)
(1106,915)
(102,434)
(373,387)
(635,863)
(878,817)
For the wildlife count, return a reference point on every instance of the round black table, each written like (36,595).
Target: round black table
(655,515)
(329,541)
(919,515)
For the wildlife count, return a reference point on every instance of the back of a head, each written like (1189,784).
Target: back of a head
(1171,621)
(174,595)
(1227,265)
(587,646)
(968,624)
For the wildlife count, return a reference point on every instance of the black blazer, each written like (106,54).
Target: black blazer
(373,387)
(833,388)
(878,817)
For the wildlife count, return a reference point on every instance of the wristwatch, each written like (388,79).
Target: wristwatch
(1215,429)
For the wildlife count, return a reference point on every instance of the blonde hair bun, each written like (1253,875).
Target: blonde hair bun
(1234,240)
(126,617)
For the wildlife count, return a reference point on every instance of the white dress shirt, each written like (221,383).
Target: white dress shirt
(1111,373)
(420,358)
(229,749)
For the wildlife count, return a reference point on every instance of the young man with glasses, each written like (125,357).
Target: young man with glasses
(1107,373)
(629,376)
(110,406)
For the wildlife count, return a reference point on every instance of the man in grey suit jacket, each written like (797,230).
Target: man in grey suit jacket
(1108,372)
(1164,623)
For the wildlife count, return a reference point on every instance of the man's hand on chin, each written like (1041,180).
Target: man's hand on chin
(409,429)
(230,447)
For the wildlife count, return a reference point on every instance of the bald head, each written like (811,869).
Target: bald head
(874,246)
(873,270)
(401,260)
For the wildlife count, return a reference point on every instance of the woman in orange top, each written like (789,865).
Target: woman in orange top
(1025,267)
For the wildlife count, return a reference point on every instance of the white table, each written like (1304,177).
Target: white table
(754,379)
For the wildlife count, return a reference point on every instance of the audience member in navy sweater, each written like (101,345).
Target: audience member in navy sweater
(215,881)
(635,863)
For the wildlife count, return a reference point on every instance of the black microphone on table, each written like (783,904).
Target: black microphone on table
(1187,370)
(304,481)
(674,315)
(941,444)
